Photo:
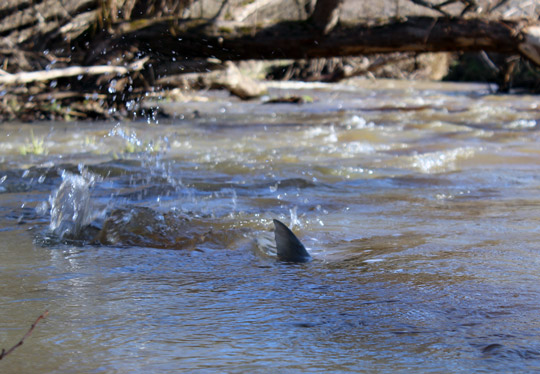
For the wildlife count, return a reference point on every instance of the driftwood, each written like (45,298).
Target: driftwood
(229,78)
(109,28)
(299,40)
(72,71)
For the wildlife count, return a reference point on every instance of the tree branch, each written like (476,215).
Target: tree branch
(298,40)
(326,14)
(46,75)
(4,353)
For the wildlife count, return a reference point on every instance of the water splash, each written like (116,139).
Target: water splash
(294,217)
(440,161)
(71,207)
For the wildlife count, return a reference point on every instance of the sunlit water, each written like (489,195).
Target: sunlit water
(419,204)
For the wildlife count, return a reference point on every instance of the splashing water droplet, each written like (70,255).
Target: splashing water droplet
(71,208)
(294,217)
(112,87)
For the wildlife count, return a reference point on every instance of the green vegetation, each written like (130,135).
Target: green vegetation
(35,146)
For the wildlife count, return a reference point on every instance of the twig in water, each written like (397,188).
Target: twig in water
(4,353)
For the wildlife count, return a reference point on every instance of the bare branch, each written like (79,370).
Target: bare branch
(46,75)
(326,14)
(469,5)
(246,11)
(4,353)
(496,6)
(435,7)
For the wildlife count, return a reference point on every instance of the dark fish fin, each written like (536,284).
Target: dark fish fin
(289,248)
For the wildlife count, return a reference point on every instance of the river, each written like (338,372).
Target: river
(147,241)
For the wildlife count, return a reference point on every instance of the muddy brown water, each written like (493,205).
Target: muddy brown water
(418,202)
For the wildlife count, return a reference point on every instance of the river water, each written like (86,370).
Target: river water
(148,242)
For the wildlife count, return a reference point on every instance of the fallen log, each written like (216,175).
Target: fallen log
(301,40)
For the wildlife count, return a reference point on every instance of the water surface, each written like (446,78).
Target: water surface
(418,202)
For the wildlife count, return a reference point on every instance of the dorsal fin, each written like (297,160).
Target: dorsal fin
(289,248)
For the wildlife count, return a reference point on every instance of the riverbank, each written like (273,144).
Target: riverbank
(86,62)
(124,95)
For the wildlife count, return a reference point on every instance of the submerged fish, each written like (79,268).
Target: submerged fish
(289,247)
